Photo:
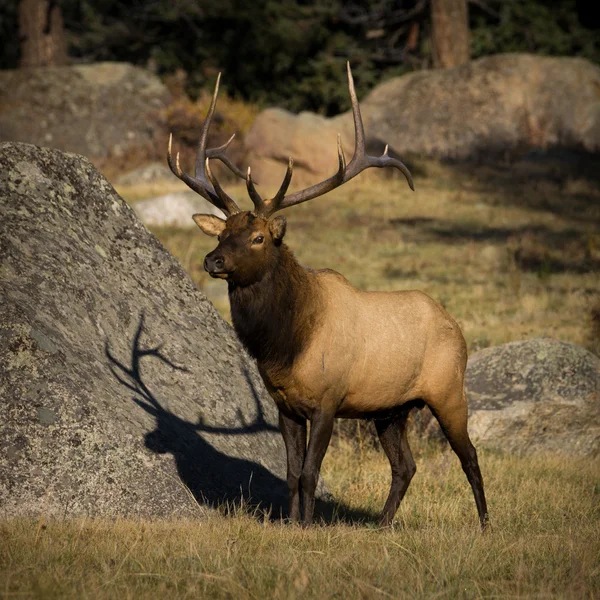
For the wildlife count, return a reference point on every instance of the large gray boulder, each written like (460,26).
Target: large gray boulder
(100,110)
(532,396)
(503,105)
(122,391)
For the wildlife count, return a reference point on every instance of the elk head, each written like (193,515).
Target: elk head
(250,240)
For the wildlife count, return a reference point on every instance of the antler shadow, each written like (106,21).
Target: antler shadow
(213,478)
(137,385)
(259,424)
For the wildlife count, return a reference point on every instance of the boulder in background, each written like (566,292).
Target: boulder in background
(174,210)
(101,110)
(538,395)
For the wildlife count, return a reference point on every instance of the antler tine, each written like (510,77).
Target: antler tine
(230,205)
(341,159)
(201,151)
(359,128)
(283,188)
(257,200)
(314,191)
(265,208)
(219,154)
(262,207)
(200,187)
(360,161)
(199,183)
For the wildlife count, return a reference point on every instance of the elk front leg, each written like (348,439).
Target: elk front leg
(293,430)
(321,428)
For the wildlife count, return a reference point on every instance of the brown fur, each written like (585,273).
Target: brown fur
(326,349)
(274,317)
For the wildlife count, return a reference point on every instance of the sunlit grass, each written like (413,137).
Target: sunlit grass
(544,543)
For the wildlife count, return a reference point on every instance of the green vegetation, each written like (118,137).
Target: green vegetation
(545,542)
(551,28)
(297,50)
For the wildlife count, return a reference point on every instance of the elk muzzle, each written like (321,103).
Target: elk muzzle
(214,265)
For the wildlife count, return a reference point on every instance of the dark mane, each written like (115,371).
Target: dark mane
(274,317)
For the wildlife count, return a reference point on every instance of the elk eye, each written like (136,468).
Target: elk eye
(259,239)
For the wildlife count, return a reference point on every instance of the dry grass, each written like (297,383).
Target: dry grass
(545,542)
(512,255)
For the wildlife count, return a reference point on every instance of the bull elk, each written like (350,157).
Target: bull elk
(325,349)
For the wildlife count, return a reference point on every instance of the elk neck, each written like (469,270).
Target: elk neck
(274,317)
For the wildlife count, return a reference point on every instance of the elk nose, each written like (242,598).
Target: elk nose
(213,263)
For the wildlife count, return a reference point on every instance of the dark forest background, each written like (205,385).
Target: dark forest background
(288,53)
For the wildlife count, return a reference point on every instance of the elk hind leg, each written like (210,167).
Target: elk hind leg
(452,417)
(392,435)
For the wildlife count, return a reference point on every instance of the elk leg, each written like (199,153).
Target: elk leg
(321,428)
(392,435)
(453,421)
(293,430)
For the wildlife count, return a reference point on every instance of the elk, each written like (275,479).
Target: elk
(325,349)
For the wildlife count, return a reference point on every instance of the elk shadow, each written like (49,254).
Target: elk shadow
(214,478)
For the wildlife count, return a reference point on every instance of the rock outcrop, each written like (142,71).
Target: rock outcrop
(100,110)
(533,396)
(503,105)
(122,391)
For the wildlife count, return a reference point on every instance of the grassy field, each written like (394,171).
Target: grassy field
(512,253)
(545,542)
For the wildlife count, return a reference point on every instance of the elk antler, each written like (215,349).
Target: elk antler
(208,189)
(360,161)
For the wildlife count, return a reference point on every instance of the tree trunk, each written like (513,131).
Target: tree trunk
(42,34)
(450,33)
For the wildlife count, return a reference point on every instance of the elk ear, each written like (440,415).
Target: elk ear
(210,224)
(277,229)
